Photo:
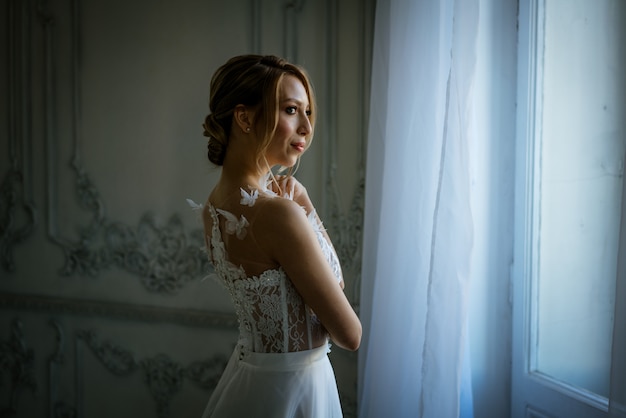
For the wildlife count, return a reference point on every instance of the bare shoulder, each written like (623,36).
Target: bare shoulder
(282,229)
(279,215)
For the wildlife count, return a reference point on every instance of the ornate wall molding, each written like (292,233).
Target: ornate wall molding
(163,376)
(347,228)
(18,213)
(291,12)
(95,250)
(164,257)
(16,360)
(256,39)
(57,407)
(113,310)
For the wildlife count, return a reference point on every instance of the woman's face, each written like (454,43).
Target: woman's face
(293,126)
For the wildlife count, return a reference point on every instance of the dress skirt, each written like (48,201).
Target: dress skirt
(277,385)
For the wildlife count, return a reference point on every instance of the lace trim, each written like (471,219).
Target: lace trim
(327,248)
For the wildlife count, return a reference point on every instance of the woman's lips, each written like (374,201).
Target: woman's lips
(299,146)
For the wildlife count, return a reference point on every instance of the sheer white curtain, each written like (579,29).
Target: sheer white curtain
(418,225)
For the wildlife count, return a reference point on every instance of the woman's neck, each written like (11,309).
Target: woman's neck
(239,174)
(241,169)
(242,181)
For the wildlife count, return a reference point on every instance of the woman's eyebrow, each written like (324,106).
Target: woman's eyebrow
(291,99)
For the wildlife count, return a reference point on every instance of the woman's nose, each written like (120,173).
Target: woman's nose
(305,126)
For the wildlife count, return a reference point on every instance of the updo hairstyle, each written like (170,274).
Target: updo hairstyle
(252,81)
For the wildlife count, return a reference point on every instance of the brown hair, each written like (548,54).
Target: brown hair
(252,81)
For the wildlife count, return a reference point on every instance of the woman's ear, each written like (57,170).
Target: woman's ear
(243,117)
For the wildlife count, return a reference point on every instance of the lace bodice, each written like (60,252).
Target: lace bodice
(272,315)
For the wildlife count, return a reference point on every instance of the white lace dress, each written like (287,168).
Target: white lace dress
(280,366)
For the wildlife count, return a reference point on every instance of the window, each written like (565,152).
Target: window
(570,193)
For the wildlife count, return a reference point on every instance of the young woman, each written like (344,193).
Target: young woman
(269,249)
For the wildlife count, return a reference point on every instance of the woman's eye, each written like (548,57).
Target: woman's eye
(308,113)
(291,110)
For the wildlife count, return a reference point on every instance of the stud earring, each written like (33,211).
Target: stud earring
(248,129)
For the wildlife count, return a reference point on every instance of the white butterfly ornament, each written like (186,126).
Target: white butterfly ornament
(233,225)
(248,199)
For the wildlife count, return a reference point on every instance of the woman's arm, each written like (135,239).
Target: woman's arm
(292,242)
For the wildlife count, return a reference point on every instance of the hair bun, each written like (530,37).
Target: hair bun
(218,139)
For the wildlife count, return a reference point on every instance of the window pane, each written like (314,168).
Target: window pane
(580,175)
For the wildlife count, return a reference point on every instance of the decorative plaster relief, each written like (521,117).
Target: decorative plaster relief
(104,243)
(121,311)
(163,376)
(18,213)
(346,229)
(164,257)
(16,361)
(347,233)
(59,408)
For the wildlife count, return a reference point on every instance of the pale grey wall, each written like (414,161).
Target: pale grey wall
(102,306)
